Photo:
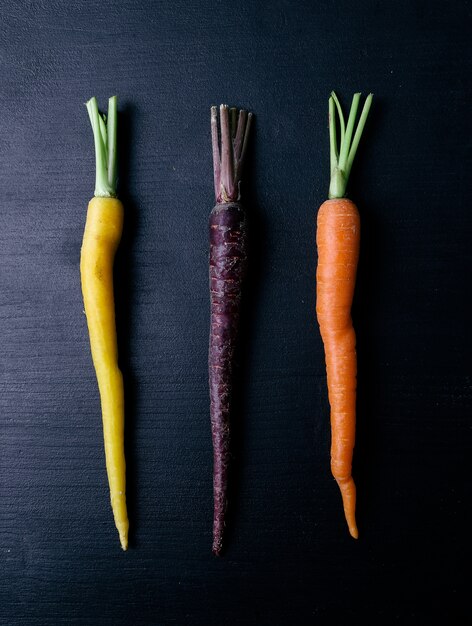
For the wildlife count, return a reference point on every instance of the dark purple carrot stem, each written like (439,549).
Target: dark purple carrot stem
(227,165)
(228,258)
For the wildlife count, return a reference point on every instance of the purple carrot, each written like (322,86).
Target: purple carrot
(228,257)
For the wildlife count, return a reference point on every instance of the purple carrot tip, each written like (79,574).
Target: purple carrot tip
(229,150)
(217,545)
(218,528)
(218,515)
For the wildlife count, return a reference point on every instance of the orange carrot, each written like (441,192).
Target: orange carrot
(337,239)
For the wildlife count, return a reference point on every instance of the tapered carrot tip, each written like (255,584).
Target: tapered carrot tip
(217,540)
(351,523)
(124,539)
(122,528)
(348,492)
(354,532)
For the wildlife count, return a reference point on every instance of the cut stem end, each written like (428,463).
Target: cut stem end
(104,134)
(228,159)
(342,155)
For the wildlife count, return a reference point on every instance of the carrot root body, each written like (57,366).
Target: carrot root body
(101,238)
(338,236)
(228,257)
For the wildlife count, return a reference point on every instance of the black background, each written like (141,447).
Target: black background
(289,558)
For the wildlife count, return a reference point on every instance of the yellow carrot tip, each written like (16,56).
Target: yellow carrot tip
(124,539)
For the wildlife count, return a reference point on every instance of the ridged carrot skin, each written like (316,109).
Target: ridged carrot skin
(103,229)
(337,238)
(102,235)
(228,260)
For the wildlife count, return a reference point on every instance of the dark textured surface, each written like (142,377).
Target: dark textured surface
(290,559)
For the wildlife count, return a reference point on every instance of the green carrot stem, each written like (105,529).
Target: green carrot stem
(104,135)
(359,130)
(342,157)
(111,142)
(342,125)
(333,145)
(344,150)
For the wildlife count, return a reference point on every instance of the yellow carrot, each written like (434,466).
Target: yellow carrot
(102,235)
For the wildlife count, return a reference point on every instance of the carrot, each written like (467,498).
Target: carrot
(337,239)
(101,238)
(228,258)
